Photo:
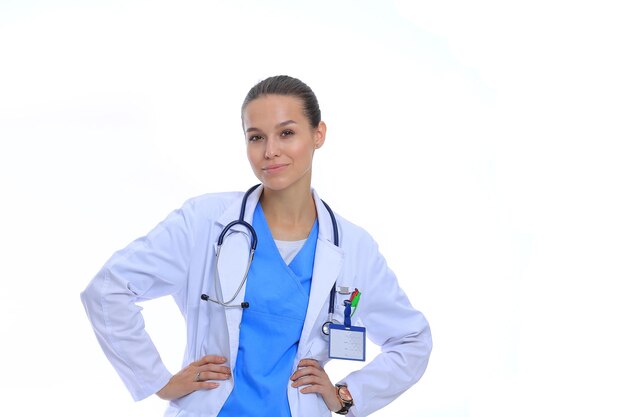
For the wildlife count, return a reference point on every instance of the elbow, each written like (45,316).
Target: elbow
(423,349)
(411,353)
(92,296)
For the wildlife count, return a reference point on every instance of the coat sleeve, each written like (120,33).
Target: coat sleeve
(402,332)
(150,267)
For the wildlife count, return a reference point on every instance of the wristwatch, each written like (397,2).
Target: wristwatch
(345,398)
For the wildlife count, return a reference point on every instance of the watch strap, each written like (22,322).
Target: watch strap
(345,404)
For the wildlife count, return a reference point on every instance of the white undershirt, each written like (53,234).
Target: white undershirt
(289,248)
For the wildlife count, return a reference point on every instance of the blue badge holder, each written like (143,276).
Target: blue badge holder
(346,343)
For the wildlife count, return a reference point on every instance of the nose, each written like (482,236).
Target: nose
(272,147)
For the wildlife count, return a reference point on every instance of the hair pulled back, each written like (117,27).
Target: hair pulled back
(284,85)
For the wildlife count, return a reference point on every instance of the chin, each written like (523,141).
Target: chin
(275,185)
(283,182)
(279,184)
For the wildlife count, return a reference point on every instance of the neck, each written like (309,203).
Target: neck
(290,213)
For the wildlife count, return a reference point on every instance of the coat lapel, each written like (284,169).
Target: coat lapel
(232,265)
(326,270)
(235,248)
(233,261)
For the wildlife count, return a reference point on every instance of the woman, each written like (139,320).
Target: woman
(255,344)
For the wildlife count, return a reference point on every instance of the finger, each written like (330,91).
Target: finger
(309,362)
(207,385)
(306,371)
(209,375)
(214,368)
(211,359)
(208,359)
(307,380)
(312,388)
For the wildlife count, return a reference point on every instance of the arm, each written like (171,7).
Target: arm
(391,322)
(150,267)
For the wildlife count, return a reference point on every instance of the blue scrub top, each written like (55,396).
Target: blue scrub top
(270,328)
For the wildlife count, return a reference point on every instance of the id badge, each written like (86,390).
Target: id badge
(346,342)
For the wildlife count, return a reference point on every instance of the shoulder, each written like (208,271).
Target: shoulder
(221,199)
(351,235)
(211,204)
(354,236)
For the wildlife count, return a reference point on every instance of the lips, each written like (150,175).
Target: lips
(274,168)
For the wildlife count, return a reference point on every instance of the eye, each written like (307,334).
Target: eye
(287,132)
(254,138)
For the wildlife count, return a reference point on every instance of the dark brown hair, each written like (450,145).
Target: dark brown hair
(284,85)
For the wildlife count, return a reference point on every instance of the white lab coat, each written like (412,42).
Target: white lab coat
(177,258)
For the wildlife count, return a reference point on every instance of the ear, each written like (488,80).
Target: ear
(320,135)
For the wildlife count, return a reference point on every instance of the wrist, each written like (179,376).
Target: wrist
(344,397)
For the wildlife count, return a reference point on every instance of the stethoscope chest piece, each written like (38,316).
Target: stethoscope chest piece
(326,326)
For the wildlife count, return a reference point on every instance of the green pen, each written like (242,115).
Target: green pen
(355,301)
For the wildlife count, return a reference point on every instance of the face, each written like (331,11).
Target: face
(280,141)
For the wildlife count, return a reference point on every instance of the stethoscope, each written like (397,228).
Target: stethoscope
(253,243)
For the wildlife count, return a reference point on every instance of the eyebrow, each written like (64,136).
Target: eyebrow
(281,124)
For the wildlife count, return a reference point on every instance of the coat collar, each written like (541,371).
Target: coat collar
(232,213)
(326,269)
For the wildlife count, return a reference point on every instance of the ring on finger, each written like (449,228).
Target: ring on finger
(197,378)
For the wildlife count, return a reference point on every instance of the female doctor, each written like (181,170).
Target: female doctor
(257,294)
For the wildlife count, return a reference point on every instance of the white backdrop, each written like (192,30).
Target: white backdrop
(481,143)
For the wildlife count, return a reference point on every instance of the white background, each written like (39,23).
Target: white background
(481,143)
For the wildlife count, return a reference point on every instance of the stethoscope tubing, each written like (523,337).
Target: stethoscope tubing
(333,289)
(253,244)
(240,221)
